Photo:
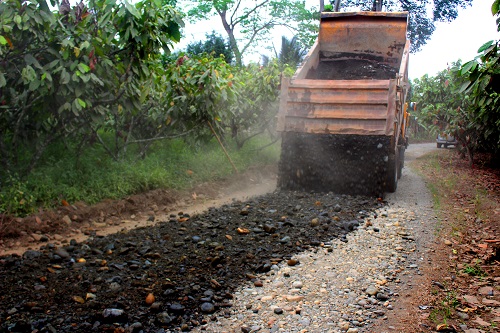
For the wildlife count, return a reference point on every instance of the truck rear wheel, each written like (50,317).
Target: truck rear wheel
(392,172)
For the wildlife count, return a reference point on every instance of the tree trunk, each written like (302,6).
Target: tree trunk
(377,5)
(321,5)
(336,7)
(232,40)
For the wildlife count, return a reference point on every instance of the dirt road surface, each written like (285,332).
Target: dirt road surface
(366,279)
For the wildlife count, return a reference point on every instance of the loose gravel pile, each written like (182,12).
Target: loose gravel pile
(185,273)
(341,286)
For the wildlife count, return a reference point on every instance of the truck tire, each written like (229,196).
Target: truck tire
(439,145)
(392,173)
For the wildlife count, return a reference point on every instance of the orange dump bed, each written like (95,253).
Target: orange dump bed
(354,79)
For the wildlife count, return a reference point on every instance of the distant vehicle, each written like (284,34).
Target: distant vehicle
(445,140)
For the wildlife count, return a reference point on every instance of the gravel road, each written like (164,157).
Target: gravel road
(281,262)
(353,286)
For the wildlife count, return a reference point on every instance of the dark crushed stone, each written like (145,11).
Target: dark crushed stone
(120,270)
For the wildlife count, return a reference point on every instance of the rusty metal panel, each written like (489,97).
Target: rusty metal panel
(332,96)
(311,61)
(391,109)
(335,126)
(343,84)
(280,126)
(376,36)
(337,106)
(336,111)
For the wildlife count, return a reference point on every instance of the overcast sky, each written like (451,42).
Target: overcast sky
(459,39)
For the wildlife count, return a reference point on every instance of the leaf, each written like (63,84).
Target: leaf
(132,10)
(3,41)
(76,51)
(81,102)
(468,66)
(485,46)
(495,7)
(65,77)
(3,82)
(83,68)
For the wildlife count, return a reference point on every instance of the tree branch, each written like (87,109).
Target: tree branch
(253,10)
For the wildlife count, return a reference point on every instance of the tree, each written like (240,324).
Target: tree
(215,44)
(254,20)
(291,53)
(421,25)
(481,82)
(73,73)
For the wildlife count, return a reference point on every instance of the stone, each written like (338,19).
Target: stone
(207,307)
(372,290)
(66,219)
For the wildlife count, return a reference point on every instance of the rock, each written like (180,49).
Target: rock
(135,327)
(207,307)
(293,298)
(177,308)
(292,262)
(163,318)
(297,284)
(382,296)
(285,240)
(278,311)
(447,242)
(372,290)
(62,253)
(314,222)
(112,315)
(245,329)
(36,237)
(270,229)
(66,219)
(31,254)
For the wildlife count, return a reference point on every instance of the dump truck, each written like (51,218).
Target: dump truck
(343,114)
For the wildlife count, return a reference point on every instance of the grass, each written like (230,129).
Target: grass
(94,176)
(444,310)
(474,270)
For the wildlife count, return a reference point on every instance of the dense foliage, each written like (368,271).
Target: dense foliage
(213,44)
(68,75)
(98,79)
(465,100)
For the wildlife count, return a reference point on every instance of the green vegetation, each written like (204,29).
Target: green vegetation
(464,101)
(445,309)
(474,270)
(175,164)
